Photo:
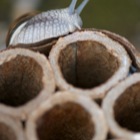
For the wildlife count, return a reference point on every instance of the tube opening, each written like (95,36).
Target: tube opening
(6,133)
(68,121)
(21,81)
(87,64)
(127,108)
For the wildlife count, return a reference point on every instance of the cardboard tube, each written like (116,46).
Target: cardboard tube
(131,50)
(42,47)
(67,116)
(89,63)
(121,107)
(25,75)
(10,128)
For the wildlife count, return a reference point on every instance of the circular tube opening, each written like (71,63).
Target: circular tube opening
(21,81)
(6,133)
(68,121)
(127,108)
(87,64)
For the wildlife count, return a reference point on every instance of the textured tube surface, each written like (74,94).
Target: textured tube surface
(132,51)
(121,107)
(89,62)
(67,116)
(25,75)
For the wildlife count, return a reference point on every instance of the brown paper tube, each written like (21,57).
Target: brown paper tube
(24,76)
(43,47)
(10,128)
(67,116)
(88,62)
(132,51)
(122,109)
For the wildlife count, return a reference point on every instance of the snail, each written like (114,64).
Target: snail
(35,28)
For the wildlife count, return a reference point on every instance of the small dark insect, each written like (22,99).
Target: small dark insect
(46,25)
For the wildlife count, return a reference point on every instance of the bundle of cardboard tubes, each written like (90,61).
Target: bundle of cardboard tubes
(81,86)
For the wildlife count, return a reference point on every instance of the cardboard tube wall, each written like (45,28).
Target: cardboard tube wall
(10,128)
(121,108)
(67,116)
(89,63)
(25,75)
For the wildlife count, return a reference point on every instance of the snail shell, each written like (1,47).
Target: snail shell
(35,28)
(17,23)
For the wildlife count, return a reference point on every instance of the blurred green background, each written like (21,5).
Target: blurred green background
(119,16)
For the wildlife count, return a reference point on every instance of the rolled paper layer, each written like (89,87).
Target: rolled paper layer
(67,116)
(43,47)
(133,53)
(89,62)
(122,109)
(24,76)
(10,128)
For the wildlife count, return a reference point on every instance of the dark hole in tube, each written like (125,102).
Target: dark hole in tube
(20,81)
(68,121)
(87,64)
(127,108)
(6,133)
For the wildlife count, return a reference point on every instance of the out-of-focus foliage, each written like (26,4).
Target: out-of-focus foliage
(109,14)
(5,9)
(120,16)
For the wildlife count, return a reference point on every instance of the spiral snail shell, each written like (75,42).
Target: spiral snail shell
(36,28)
